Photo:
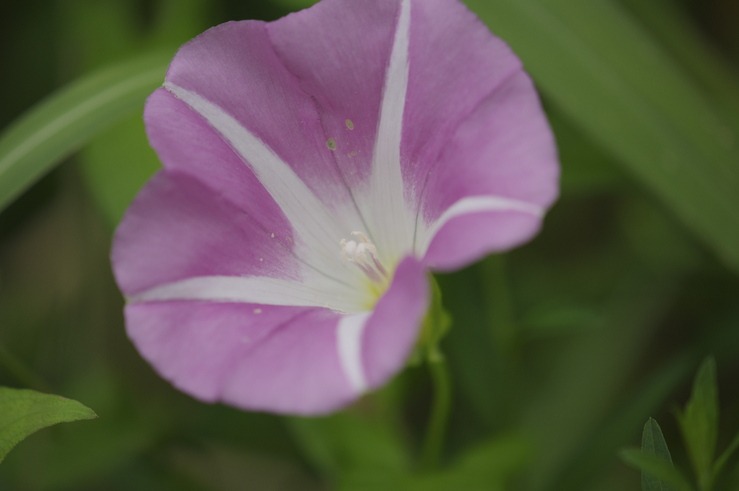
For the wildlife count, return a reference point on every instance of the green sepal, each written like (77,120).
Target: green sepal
(436,324)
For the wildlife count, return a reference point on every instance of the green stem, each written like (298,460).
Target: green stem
(441,406)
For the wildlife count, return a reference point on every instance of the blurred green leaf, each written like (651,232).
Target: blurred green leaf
(587,466)
(699,422)
(726,455)
(487,467)
(687,42)
(653,443)
(660,469)
(66,120)
(23,412)
(609,76)
(117,163)
(236,467)
(346,441)
(586,167)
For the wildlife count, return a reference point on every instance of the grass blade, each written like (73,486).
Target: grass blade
(51,131)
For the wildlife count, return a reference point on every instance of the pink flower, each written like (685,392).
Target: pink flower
(315,168)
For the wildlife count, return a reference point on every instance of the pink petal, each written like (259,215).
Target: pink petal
(235,67)
(186,143)
(338,51)
(454,64)
(179,228)
(503,150)
(393,329)
(280,359)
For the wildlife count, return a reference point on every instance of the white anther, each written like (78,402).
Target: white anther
(363,254)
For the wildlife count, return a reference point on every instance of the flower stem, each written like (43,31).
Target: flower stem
(441,406)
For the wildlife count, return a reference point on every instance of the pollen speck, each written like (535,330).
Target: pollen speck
(352,154)
(257,311)
(349,124)
(331,144)
(272,235)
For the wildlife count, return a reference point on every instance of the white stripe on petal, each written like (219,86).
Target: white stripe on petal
(474,204)
(349,343)
(391,224)
(317,292)
(316,228)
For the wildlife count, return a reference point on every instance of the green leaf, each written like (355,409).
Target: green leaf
(488,467)
(687,42)
(609,77)
(51,131)
(657,467)
(699,422)
(346,441)
(721,462)
(23,412)
(117,163)
(653,443)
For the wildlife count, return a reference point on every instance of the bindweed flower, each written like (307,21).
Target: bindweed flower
(315,168)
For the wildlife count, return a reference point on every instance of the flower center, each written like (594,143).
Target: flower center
(361,252)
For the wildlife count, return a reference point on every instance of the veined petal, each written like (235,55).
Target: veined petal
(392,330)
(234,67)
(475,234)
(233,80)
(284,359)
(455,63)
(258,357)
(178,228)
(361,90)
(391,219)
(339,52)
(316,228)
(186,144)
(474,205)
(493,181)
(311,290)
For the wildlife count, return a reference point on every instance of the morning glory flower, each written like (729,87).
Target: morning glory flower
(315,169)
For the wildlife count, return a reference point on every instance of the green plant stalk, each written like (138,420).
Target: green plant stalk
(440,409)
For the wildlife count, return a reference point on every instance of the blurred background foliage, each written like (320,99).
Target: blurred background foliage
(559,351)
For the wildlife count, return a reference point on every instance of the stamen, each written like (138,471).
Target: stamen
(363,254)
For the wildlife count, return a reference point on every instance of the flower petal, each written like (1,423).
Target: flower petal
(185,143)
(366,78)
(231,77)
(180,241)
(494,180)
(396,321)
(178,228)
(282,359)
(234,67)
(339,51)
(455,63)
